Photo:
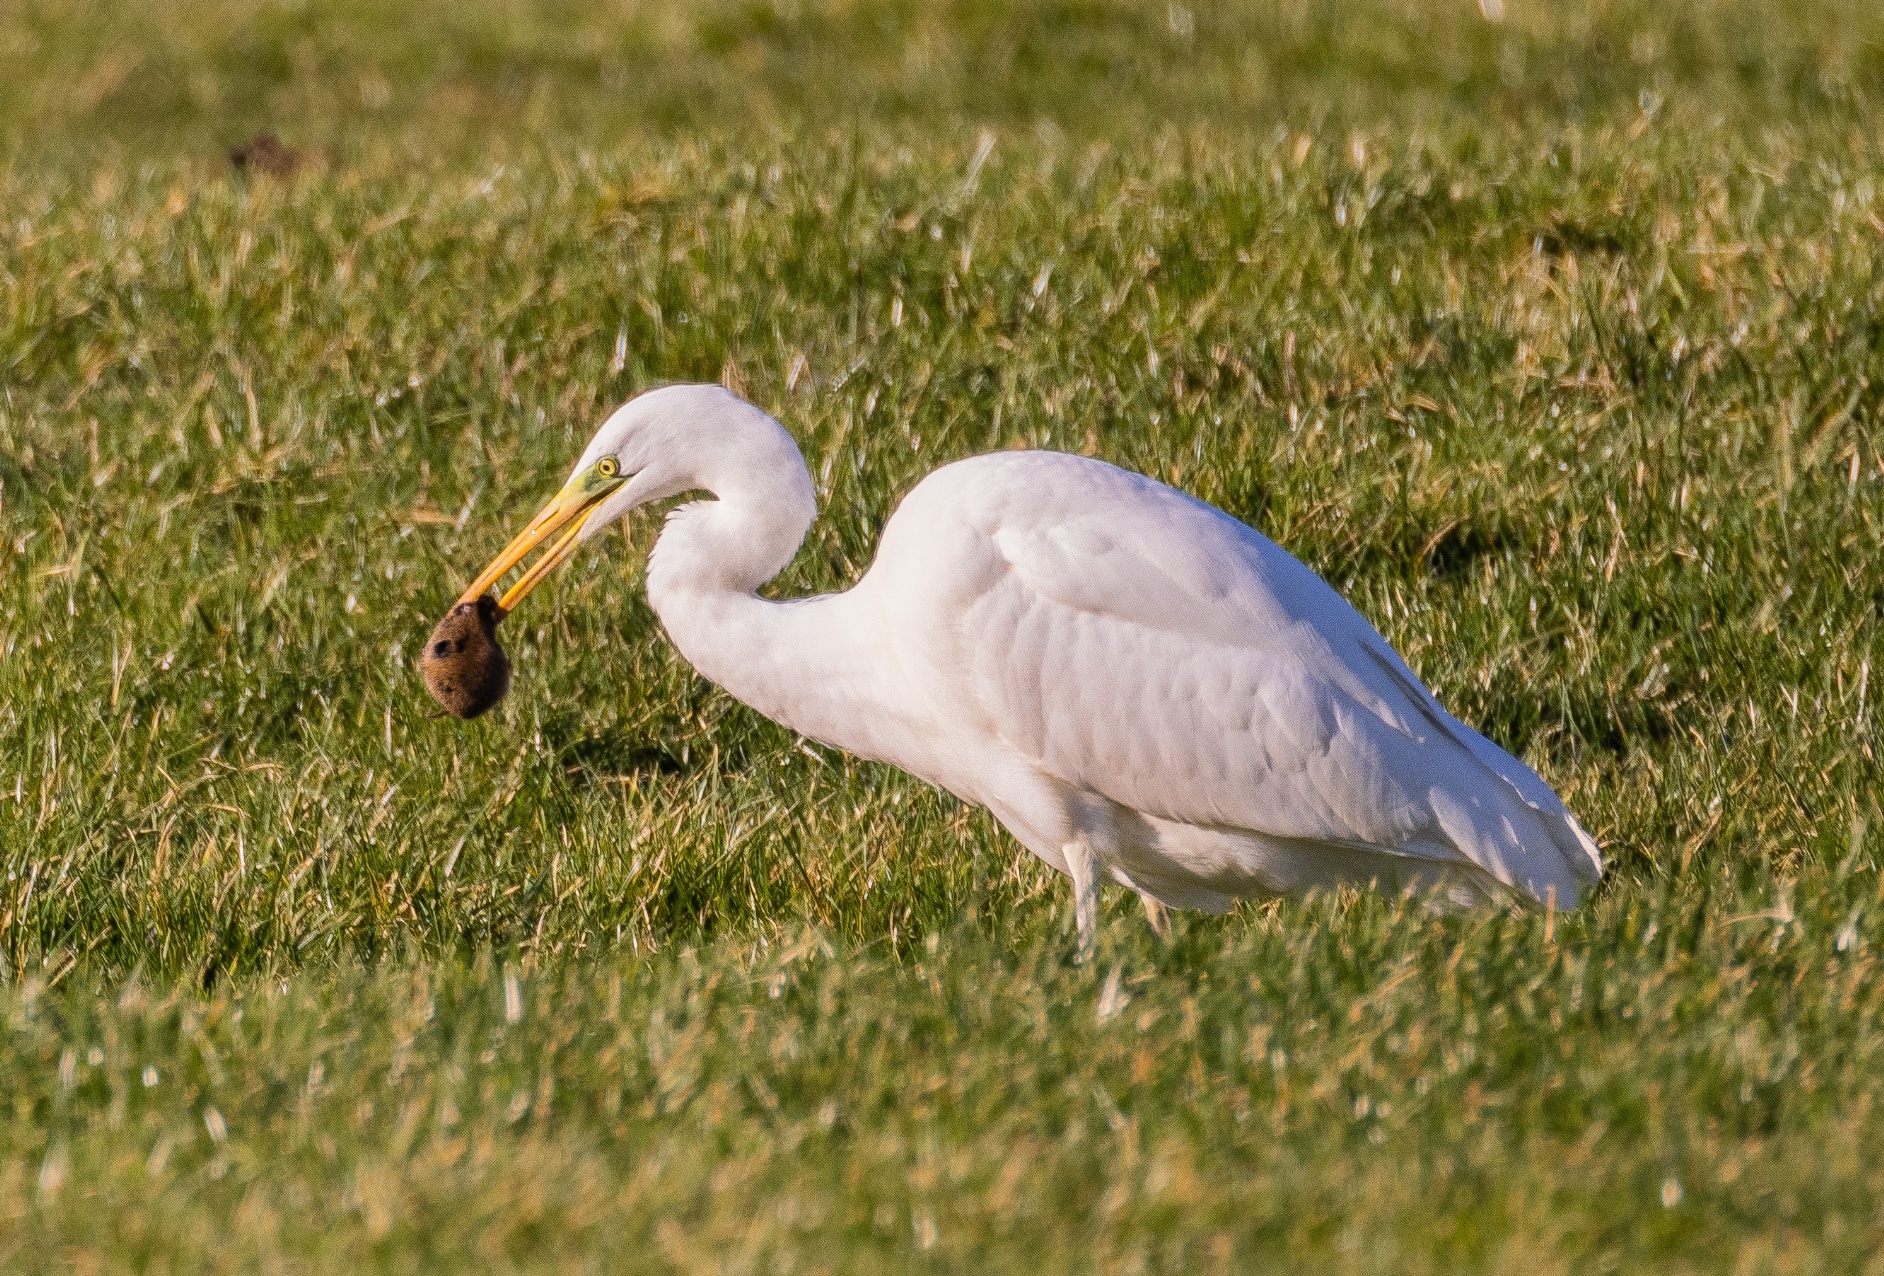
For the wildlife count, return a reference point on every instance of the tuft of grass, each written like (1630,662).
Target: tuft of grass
(1554,344)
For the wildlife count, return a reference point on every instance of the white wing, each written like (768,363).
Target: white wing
(1142,645)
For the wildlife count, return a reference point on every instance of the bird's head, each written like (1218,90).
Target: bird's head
(651,447)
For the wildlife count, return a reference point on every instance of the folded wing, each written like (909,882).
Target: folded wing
(1144,646)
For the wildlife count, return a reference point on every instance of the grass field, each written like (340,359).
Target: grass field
(1557,344)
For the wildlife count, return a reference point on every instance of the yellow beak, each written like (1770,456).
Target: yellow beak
(567,512)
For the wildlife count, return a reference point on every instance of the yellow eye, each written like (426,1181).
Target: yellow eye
(608,467)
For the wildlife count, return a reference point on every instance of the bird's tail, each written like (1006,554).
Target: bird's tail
(1550,821)
(1531,841)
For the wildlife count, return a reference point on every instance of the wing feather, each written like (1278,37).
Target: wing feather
(1144,646)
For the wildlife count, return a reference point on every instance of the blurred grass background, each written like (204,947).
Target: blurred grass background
(144,78)
(1553,342)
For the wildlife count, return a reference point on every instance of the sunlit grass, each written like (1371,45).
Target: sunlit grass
(1575,394)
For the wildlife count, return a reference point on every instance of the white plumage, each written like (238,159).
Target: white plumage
(1139,687)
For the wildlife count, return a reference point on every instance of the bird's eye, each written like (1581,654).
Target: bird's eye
(608,467)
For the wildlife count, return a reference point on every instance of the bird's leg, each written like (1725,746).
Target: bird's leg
(1083,867)
(1158,915)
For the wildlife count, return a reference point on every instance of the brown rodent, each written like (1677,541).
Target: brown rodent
(464,668)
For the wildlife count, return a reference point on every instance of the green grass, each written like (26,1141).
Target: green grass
(1337,1083)
(1555,344)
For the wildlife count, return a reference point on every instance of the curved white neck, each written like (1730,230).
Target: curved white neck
(795,661)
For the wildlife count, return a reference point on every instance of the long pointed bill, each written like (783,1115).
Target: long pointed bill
(566,513)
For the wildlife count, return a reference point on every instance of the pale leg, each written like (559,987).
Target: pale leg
(1158,915)
(1083,867)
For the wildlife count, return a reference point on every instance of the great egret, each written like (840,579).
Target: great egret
(1138,686)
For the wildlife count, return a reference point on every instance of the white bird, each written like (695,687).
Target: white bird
(1140,688)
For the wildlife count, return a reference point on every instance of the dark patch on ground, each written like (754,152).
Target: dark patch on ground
(614,754)
(266,153)
(1562,236)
